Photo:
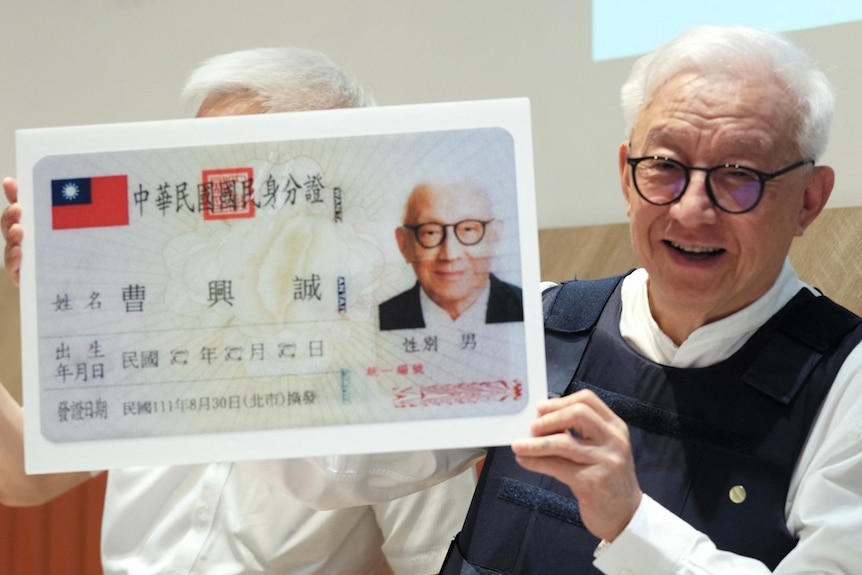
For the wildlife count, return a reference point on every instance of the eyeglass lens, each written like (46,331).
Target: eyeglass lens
(661,181)
(468,232)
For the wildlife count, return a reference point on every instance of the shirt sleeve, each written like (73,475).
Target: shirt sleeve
(658,542)
(824,504)
(822,508)
(418,529)
(343,481)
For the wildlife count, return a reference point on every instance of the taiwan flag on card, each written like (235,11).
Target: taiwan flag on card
(89,202)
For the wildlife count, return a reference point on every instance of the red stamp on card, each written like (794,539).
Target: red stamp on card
(227,193)
(458,393)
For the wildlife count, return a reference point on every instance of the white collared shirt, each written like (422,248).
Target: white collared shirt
(234,518)
(710,343)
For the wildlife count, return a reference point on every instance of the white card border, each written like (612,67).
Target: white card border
(513,115)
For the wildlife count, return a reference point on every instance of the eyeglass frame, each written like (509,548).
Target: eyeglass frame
(415,229)
(763,177)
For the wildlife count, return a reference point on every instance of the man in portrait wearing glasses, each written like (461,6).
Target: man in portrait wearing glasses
(448,237)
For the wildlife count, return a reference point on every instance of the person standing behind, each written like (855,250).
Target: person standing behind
(234,517)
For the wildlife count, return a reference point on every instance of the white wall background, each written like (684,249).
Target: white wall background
(69,62)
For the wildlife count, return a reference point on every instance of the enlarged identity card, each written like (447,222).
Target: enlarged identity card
(280,285)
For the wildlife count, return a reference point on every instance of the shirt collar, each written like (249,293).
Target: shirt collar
(710,343)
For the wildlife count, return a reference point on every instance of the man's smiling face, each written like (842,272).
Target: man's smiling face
(701,259)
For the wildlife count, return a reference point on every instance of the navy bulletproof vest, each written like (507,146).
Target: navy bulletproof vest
(696,434)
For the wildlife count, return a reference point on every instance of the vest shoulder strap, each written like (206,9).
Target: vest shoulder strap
(809,328)
(571,310)
(575,306)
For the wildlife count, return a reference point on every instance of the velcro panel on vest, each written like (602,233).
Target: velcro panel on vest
(533,497)
(783,365)
(658,420)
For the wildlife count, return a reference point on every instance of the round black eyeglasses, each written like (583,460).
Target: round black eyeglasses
(430,235)
(733,188)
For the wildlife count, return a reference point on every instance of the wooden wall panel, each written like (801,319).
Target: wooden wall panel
(10,336)
(62,536)
(828,256)
(586,252)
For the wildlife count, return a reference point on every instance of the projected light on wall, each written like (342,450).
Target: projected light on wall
(631,27)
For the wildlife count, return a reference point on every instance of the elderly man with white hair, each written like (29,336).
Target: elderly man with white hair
(235,517)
